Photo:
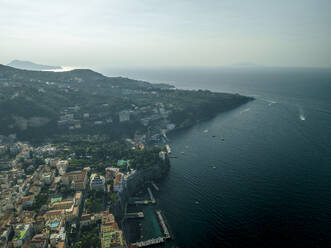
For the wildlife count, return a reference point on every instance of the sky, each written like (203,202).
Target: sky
(166,32)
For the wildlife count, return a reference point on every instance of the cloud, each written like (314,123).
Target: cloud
(150,31)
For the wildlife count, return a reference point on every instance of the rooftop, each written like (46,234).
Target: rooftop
(56,199)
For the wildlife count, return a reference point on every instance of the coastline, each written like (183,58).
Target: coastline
(190,123)
(155,173)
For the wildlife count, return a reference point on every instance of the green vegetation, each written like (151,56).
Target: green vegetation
(89,237)
(65,192)
(40,200)
(20,235)
(94,202)
(32,102)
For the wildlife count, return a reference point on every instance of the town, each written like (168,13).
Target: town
(47,202)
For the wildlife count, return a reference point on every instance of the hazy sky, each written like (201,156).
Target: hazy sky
(166,32)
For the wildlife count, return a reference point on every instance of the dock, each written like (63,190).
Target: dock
(151,196)
(163,225)
(145,202)
(134,215)
(155,187)
(149,242)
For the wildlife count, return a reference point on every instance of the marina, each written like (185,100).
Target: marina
(148,223)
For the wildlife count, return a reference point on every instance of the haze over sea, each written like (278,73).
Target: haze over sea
(268,183)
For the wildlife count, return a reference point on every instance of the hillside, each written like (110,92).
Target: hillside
(38,105)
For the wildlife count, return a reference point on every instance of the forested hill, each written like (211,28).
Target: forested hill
(36,105)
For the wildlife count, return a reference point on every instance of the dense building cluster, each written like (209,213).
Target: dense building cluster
(45,207)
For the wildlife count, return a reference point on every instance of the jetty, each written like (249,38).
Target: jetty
(151,195)
(155,187)
(163,224)
(149,242)
(146,202)
(134,215)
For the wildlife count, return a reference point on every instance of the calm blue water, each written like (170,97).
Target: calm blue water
(268,184)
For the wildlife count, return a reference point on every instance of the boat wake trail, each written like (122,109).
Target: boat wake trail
(270,102)
(302,116)
(245,110)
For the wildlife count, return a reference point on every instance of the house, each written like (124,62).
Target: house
(59,239)
(97,182)
(111,172)
(38,241)
(62,166)
(35,190)
(76,179)
(47,178)
(118,183)
(61,205)
(26,201)
(111,235)
(88,219)
(78,198)
(54,214)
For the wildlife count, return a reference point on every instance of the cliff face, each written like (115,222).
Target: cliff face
(138,181)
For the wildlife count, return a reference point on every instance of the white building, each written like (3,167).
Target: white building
(124,115)
(97,182)
(47,178)
(162,155)
(62,166)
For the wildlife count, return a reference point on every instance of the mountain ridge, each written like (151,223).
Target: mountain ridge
(42,104)
(28,65)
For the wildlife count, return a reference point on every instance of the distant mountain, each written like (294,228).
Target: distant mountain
(27,65)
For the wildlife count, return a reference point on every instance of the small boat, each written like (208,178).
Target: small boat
(214,167)
(213,136)
(197,202)
(205,131)
(182,152)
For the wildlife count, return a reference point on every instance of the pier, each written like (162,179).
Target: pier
(155,186)
(146,202)
(163,225)
(151,196)
(134,215)
(149,242)
(143,202)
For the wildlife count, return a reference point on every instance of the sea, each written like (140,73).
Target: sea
(255,176)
